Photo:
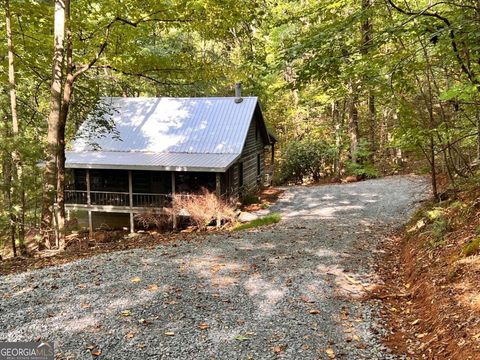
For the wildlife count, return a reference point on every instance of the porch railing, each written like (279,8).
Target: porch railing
(151,200)
(117,198)
(76,197)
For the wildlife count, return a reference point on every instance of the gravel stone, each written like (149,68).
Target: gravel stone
(291,290)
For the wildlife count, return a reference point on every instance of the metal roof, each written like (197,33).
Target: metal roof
(165,133)
(139,160)
(191,125)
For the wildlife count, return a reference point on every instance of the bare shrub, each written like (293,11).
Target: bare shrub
(152,219)
(202,209)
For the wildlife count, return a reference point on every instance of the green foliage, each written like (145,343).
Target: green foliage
(263,221)
(435,214)
(364,166)
(472,248)
(438,225)
(307,159)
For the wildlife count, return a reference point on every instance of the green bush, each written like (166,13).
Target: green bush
(307,159)
(438,225)
(363,167)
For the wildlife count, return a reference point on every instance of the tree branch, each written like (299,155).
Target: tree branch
(446,21)
(108,31)
(142,75)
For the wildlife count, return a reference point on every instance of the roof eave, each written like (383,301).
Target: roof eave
(72,165)
(146,167)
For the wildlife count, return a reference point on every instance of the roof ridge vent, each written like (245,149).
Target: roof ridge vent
(238,93)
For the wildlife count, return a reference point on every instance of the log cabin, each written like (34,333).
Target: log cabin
(160,147)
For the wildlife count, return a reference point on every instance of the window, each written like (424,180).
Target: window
(240,174)
(259,167)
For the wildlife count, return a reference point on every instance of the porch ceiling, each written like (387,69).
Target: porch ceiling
(130,160)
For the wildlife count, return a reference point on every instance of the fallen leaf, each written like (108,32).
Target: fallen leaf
(85,306)
(169,333)
(352,280)
(314,311)
(203,326)
(130,335)
(279,348)
(152,287)
(330,353)
(407,286)
(96,352)
(307,300)
(135,279)
(241,338)
(126,313)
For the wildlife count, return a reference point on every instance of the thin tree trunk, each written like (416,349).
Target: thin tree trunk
(353,126)
(7,191)
(367,29)
(53,121)
(372,122)
(15,129)
(433,168)
(478,135)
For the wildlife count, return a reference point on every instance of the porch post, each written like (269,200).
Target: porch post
(130,201)
(272,162)
(218,185)
(88,187)
(90,223)
(174,216)
(89,202)
(218,191)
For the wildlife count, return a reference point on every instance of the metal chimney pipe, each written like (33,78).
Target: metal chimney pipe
(238,93)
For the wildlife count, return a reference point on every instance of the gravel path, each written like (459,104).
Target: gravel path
(289,291)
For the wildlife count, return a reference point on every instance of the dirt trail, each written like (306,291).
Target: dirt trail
(289,291)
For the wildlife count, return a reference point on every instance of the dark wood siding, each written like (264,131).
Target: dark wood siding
(252,151)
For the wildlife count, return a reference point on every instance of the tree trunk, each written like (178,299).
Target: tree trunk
(372,122)
(433,168)
(7,190)
(67,95)
(53,121)
(478,135)
(353,126)
(366,29)
(15,130)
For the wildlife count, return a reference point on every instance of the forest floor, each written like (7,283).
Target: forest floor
(432,274)
(297,289)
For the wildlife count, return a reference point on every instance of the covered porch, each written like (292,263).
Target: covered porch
(136,191)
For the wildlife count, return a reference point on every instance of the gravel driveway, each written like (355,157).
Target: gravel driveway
(289,291)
